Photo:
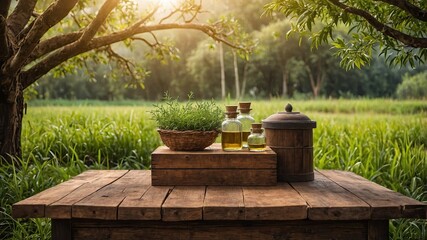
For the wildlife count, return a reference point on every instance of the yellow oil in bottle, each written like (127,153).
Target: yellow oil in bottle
(231,141)
(257,147)
(245,139)
(256,140)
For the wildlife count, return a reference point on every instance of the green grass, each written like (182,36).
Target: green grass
(387,106)
(383,140)
(113,137)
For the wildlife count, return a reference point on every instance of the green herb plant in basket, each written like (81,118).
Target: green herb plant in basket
(187,126)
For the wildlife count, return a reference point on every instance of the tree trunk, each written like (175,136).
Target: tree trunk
(236,75)
(314,86)
(285,84)
(245,74)
(221,61)
(11,113)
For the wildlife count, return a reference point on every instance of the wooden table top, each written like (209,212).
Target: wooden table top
(129,195)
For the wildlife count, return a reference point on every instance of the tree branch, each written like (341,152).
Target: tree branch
(21,15)
(61,55)
(121,60)
(415,11)
(384,29)
(52,44)
(53,14)
(93,27)
(151,45)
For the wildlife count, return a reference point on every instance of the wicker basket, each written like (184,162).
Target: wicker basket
(187,140)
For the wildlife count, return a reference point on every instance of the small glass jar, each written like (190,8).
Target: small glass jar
(231,131)
(256,140)
(246,119)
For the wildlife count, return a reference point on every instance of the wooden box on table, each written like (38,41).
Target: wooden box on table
(213,166)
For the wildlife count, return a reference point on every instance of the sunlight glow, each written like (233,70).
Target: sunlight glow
(168,3)
(164,4)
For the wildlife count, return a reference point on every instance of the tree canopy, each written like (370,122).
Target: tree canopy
(397,28)
(38,36)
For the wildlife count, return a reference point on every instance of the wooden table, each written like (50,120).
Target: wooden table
(121,204)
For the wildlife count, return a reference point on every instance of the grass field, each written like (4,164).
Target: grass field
(382,140)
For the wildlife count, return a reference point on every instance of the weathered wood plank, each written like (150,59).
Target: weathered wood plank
(223,203)
(329,201)
(103,203)
(62,208)
(145,207)
(184,203)
(138,181)
(213,166)
(221,230)
(279,202)
(212,157)
(34,206)
(227,177)
(385,203)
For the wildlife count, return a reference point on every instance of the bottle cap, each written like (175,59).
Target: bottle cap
(245,107)
(231,111)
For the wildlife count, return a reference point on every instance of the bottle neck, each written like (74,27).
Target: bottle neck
(231,116)
(257,130)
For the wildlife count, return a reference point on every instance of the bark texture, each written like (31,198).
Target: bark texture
(11,109)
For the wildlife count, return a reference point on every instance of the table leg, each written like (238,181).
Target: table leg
(61,229)
(378,230)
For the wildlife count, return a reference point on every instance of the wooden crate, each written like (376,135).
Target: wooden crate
(213,167)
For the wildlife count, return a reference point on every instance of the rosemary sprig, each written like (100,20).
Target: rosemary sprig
(190,115)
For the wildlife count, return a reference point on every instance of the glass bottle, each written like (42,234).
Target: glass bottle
(256,140)
(246,119)
(231,131)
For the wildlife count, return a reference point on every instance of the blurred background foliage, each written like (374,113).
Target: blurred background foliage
(280,66)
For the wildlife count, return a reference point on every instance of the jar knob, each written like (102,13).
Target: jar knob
(288,107)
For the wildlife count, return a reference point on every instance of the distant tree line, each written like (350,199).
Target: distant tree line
(280,66)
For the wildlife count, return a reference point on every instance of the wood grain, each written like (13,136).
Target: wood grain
(223,203)
(145,207)
(385,203)
(222,177)
(212,157)
(184,203)
(129,195)
(220,230)
(213,167)
(103,204)
(35,206)
(329,201)
(61,229)
(378,230)
(279,202)
(294,149)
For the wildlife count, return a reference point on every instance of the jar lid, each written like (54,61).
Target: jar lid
(288,120)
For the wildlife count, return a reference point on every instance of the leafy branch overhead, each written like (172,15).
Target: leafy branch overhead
(397,28)
(36,37)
